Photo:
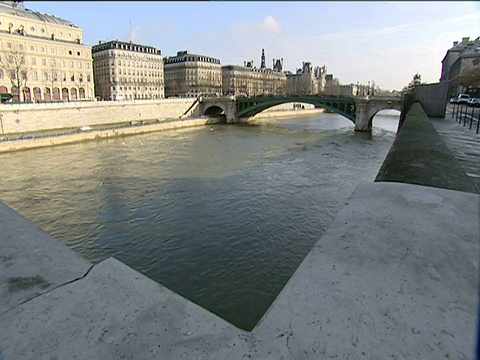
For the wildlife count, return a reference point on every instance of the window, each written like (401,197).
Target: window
(13,75)
(10,58)
(32,28)
(44,62)
(70,52)
(1,74)
(34,75)
(78,53)
(62,63)
(20,46)
(34,61)
(61,50)
(52,50)
(24,75)
(88,77)
(45,76)
(42,49)
(79,65)
(32,48)
(71,64)
(9,45)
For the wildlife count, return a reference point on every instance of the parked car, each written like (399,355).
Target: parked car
(474,102)
(452,100)
(463,98)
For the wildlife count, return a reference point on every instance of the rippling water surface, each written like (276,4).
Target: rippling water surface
(223,217)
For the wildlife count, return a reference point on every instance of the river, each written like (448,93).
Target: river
(222,215)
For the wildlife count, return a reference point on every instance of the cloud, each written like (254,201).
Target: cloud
(269,24)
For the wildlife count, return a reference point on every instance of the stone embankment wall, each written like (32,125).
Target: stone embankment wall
(420,156)
(290,109)
(23,118)
(9,146)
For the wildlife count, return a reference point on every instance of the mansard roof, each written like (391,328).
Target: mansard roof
(17,8)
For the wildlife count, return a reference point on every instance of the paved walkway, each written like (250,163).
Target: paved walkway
(463,142)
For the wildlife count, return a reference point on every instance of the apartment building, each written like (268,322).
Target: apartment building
(251,81)
(42,57)
(191,75)
(127,71)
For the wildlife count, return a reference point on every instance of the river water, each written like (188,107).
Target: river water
(222,215)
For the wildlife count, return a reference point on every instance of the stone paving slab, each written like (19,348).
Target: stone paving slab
(31,261)
(396,276)
(464,143)
(114,313)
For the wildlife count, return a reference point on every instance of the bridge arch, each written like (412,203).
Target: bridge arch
(344,106)
(379,107)
(214,110)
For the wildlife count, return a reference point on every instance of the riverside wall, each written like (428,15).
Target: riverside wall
(24,118)
(169,113)
(420,156)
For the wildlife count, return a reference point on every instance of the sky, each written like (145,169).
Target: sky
(387,42)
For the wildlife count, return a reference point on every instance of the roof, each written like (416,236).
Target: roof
(16,8)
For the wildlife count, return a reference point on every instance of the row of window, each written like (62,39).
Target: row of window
(106,63)
(104,72)
(43,49)
(53,63)
(127,55)
(46,76)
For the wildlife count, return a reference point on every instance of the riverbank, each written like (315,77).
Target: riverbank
(395,275)
(38,142)
(33,143)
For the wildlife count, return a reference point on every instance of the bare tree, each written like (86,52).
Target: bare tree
(14,65)
(51,76)
(469,78)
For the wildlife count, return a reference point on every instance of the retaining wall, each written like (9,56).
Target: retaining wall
(419,156)
(23,118)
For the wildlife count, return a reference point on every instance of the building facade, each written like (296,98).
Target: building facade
(42,57)
(192,75)
(461,59)
(303,82)
(251,81)
(127,71)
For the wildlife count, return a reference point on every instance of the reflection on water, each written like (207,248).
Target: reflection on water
(223,217)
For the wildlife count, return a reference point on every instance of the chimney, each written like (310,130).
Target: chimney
(466,39)
(455,43)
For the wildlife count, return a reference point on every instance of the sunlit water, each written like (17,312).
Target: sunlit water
(222,217)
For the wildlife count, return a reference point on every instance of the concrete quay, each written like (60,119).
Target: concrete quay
(395,276)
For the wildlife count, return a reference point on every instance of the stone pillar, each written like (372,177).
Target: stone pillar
(362,120)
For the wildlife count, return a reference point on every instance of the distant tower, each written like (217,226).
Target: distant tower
(262,66)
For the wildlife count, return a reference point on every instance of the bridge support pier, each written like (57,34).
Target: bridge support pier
(362,121)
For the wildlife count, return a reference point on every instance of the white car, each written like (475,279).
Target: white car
(85,128)
(463,99)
